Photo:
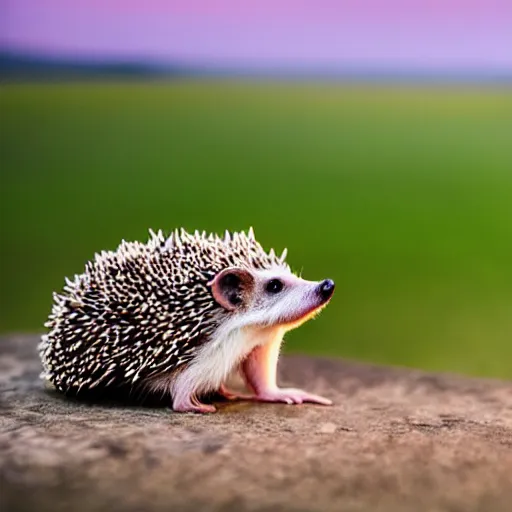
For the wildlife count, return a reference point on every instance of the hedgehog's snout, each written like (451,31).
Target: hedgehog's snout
(325,289)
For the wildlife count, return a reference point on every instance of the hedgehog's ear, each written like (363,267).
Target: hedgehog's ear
(232,287)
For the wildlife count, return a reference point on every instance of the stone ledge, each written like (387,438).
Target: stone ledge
(396,440)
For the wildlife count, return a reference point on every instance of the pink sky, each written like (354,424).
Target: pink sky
(449,34)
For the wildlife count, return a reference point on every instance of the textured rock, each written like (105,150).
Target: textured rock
(395,440)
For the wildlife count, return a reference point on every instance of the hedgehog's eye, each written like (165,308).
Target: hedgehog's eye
(274,286)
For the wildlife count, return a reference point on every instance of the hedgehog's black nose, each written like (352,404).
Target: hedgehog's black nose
(326,289)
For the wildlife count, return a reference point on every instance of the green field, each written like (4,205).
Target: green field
(402,195)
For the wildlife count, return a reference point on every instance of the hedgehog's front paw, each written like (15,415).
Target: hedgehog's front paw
(290,396)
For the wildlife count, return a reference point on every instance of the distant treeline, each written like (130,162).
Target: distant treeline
(21,66)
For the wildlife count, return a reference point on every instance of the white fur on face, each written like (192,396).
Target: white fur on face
(298,299)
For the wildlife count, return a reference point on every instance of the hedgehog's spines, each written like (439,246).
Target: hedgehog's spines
(184,235)
(177,240)
(169,243)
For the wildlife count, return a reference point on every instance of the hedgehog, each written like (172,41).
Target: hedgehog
(180,315)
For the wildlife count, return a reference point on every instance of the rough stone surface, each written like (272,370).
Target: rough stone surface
(396,440)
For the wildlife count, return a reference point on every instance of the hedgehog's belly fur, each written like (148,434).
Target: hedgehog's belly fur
(214,363)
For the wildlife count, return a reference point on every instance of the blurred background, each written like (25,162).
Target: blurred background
(372,138)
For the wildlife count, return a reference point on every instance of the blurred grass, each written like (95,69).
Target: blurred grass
(402,195)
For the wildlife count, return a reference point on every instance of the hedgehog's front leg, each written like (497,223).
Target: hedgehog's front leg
(260,372)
